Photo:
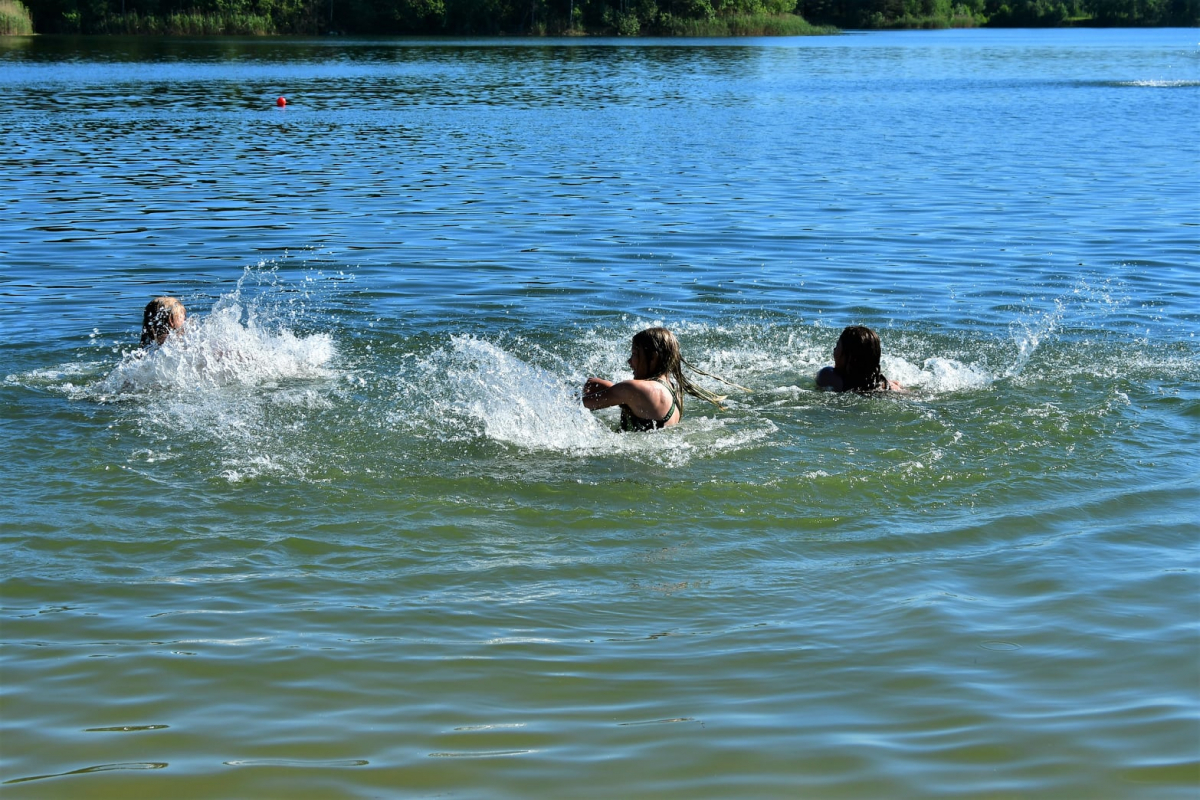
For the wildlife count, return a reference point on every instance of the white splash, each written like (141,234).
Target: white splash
(1029,332)
(516,402)
(235,394)
(477,389)
(1160,83)
(937,375)
(232,345)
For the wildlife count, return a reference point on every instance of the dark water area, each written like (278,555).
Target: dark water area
(354,535)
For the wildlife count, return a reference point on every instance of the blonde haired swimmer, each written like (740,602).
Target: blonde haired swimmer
(163,315)
(654,397)
(856,364)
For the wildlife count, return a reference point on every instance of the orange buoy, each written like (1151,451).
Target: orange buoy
(281,102)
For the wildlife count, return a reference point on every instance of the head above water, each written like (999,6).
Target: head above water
(162,315)
(655,353)
(856,358)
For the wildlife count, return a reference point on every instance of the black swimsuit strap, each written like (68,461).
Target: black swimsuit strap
(632,422)
(674,401)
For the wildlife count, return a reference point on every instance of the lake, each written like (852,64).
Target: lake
(354,535)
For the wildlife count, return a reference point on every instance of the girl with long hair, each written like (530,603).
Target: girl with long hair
(856,364)
(654,397)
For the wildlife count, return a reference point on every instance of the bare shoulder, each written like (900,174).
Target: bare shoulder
(828,378)
(634,390)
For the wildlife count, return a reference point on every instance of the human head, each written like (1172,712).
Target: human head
(856,357)
(659,351)
(162,315)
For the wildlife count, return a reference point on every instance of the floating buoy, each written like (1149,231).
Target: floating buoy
(281,102)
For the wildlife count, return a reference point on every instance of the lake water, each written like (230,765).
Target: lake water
(354,535)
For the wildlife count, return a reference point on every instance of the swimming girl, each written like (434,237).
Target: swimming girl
(856,364)
(654,398)
(162,317)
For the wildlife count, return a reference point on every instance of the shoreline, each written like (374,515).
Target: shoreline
(822,31)
(812,30)
(585,19)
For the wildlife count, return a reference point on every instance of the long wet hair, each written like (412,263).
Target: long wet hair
(662,349)
(861,352)
(156,319)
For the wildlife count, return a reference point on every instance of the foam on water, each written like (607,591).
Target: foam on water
(937,375)
(479,389)
(245,340)
(231,395)
(1159,83)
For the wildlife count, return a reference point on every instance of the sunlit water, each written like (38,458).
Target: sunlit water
(353,534)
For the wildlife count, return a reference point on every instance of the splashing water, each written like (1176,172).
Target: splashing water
(230,395)
(216,351)
(244,341)
(476,389)
(937,375)
(1029,332)
(249,390)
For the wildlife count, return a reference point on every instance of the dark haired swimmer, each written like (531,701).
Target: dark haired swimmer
(162,317)
(856,364)
(654,397)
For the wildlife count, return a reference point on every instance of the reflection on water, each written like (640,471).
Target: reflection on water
(88,770)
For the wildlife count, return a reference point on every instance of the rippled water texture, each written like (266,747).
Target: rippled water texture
(353,534)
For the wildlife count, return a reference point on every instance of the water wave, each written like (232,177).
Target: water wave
(1156,83)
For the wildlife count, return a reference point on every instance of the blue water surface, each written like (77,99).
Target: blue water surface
(354,535)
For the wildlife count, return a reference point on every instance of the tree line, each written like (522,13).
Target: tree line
(876,14)
(567,17)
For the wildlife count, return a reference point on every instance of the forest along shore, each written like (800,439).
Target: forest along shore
(572,18)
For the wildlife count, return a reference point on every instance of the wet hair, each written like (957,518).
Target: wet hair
(662,349)
(861,352)
(156,319)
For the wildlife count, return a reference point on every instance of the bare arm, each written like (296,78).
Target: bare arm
(644,398)
(599,393)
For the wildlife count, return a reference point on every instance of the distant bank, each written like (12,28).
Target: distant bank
(570,17)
